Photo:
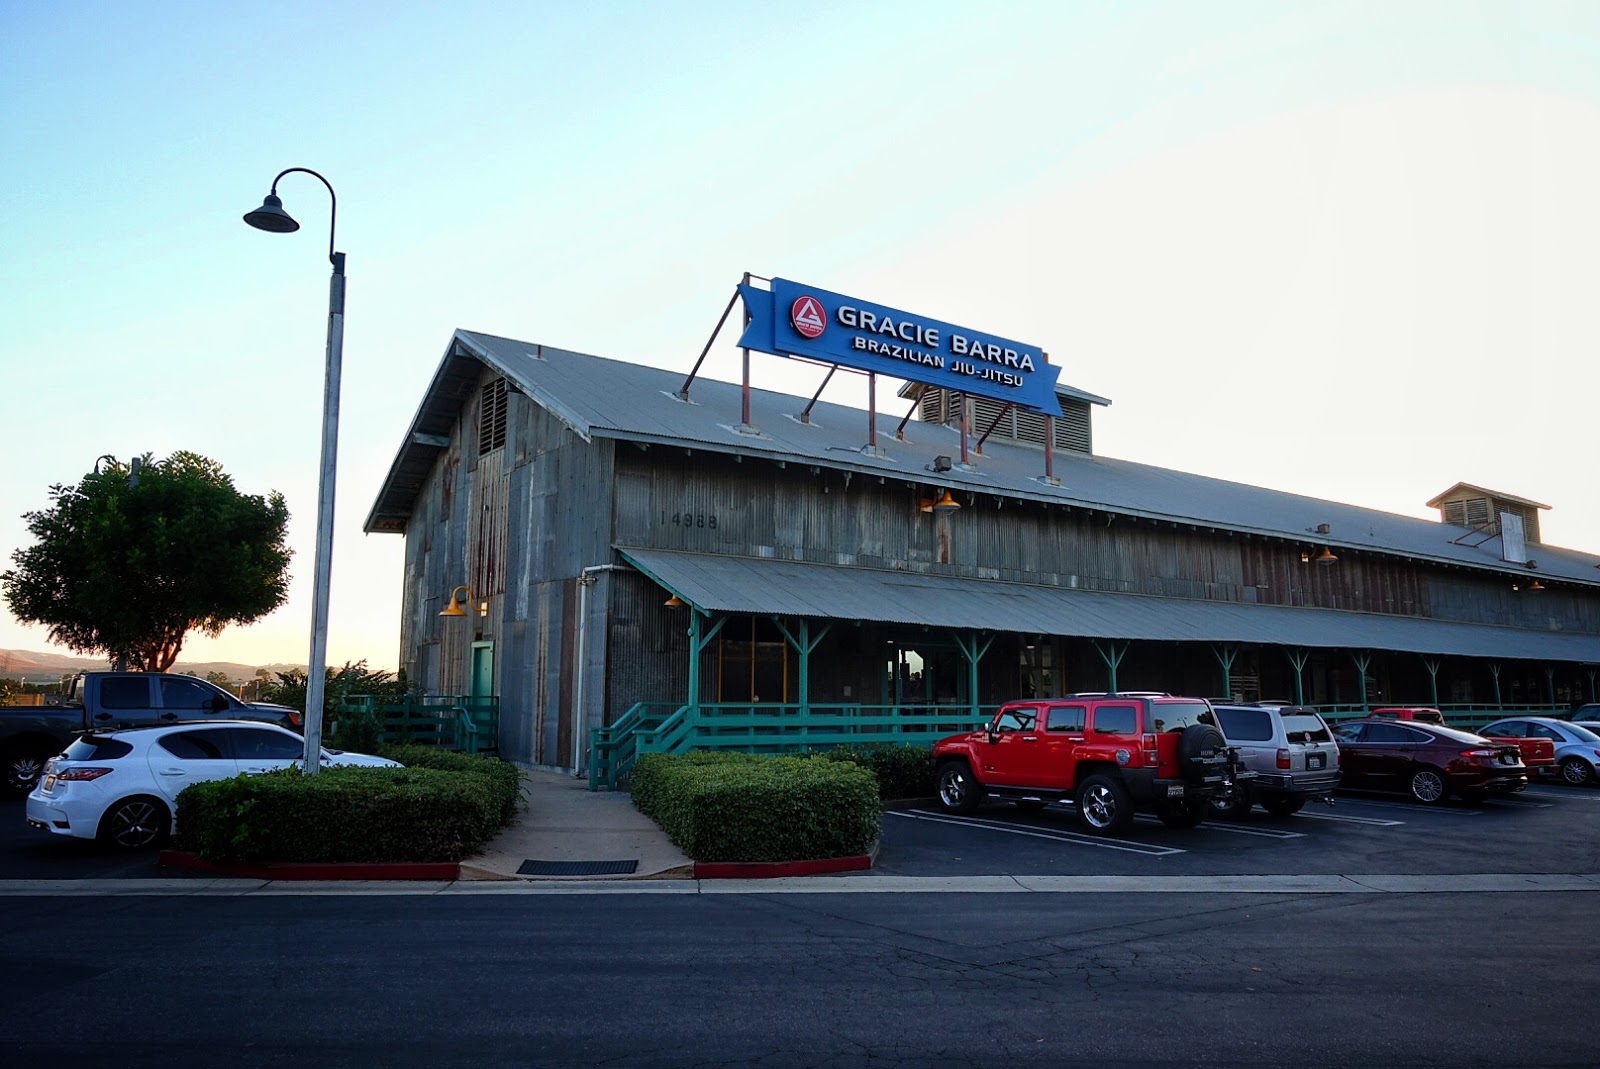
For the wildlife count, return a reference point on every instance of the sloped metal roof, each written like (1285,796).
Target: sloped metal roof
(717,583)
(609,398)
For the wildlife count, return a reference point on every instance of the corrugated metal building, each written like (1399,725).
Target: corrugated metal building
(982,554)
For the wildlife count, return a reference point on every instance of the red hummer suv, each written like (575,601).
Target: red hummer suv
(1110,754)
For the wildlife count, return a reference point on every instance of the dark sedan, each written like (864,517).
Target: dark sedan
(1430,762)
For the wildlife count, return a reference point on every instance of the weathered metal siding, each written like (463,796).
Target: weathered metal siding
(518,524)
(669,500)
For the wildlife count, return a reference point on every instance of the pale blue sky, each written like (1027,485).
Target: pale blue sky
(1345,249)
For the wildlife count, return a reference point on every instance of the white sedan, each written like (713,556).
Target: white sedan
(122,787)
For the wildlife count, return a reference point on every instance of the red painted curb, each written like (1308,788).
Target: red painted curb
(763,870)
(318,870)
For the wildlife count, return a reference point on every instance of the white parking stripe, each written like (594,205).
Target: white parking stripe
(1236,829)
(1074,838)
(1341,818)
(1417,807)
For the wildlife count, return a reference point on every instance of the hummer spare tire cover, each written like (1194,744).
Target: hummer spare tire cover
(1198,749)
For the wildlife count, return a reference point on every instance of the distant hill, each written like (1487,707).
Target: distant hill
(37,667)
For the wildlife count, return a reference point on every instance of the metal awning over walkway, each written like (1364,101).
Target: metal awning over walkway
(715,583)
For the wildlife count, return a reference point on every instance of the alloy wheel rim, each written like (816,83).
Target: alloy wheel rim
(1574,772)
(953,788)
(1098,808)
(1427,786)
(135,824)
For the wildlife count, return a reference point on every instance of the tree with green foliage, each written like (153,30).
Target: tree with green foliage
(133,558)
(9,689)
(339,684)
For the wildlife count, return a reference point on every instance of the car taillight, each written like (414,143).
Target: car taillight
(1151,757)
(1480,753)
(1283,758)
(82,773)
(294,720)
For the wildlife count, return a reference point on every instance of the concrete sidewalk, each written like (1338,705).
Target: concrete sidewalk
(564,821)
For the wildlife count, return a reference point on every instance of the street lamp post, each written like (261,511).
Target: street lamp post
(272,218)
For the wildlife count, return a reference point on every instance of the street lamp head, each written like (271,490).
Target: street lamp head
(271,217)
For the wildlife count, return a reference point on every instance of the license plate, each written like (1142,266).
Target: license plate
(1174,790)
(1316,760)
(50,783)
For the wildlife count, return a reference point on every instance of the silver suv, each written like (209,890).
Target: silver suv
(1290,750)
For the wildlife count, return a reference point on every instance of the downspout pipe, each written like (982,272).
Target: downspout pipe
(586,579)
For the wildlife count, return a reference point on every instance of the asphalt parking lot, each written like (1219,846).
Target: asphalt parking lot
(1549,828)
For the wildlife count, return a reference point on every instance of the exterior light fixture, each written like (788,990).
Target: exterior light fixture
(455,608)
(1305,556)
(1326,556)
(271,218)
(946,503)
(925,504)
(674,602)
(1536,585)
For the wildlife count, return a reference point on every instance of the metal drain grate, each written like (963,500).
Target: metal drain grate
(577,868)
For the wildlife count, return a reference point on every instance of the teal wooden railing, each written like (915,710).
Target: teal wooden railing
(1468,716)
(656,727)
(461,722)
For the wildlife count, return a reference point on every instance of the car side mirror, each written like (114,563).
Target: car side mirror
(994,735)
(218,703)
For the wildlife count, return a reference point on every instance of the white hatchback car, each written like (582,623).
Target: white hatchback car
(122,786)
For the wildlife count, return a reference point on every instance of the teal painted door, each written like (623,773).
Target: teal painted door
(482,683)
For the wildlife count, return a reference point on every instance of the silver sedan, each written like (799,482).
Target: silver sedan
(1577,747)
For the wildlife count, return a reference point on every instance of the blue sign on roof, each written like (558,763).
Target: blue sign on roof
(795,320)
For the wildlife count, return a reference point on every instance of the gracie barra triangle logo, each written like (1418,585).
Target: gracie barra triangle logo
(806,315)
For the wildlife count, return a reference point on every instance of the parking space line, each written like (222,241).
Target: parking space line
(1236,829)
(1418,808)
(1341,818)
(1520,803)
(1072,838)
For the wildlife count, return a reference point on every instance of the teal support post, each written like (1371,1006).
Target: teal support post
(699,639)
(1550,683)
(973,653)
(1591,684)
(1363,661)
(1432,665)
(803,646)
(1111,652)
(1494,670)
(1299,658)
(1225,653)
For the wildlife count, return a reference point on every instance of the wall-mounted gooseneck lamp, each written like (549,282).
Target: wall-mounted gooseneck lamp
(455,608)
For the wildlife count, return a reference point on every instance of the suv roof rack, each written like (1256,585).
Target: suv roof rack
(1117,694)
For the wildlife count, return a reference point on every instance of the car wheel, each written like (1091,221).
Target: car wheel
(1234,805)
(1104,805)
(1281,806)
(136,823)
(1182,814)
(24,764)
(958,791)
(1576,771)
(1428,785)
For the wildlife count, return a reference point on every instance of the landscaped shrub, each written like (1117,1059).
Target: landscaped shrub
(739,807)
(342,814)
(506,777)
(901,771)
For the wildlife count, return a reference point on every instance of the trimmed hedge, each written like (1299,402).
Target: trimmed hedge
(414,813)
(506,777)
(747,807)
(901,771)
